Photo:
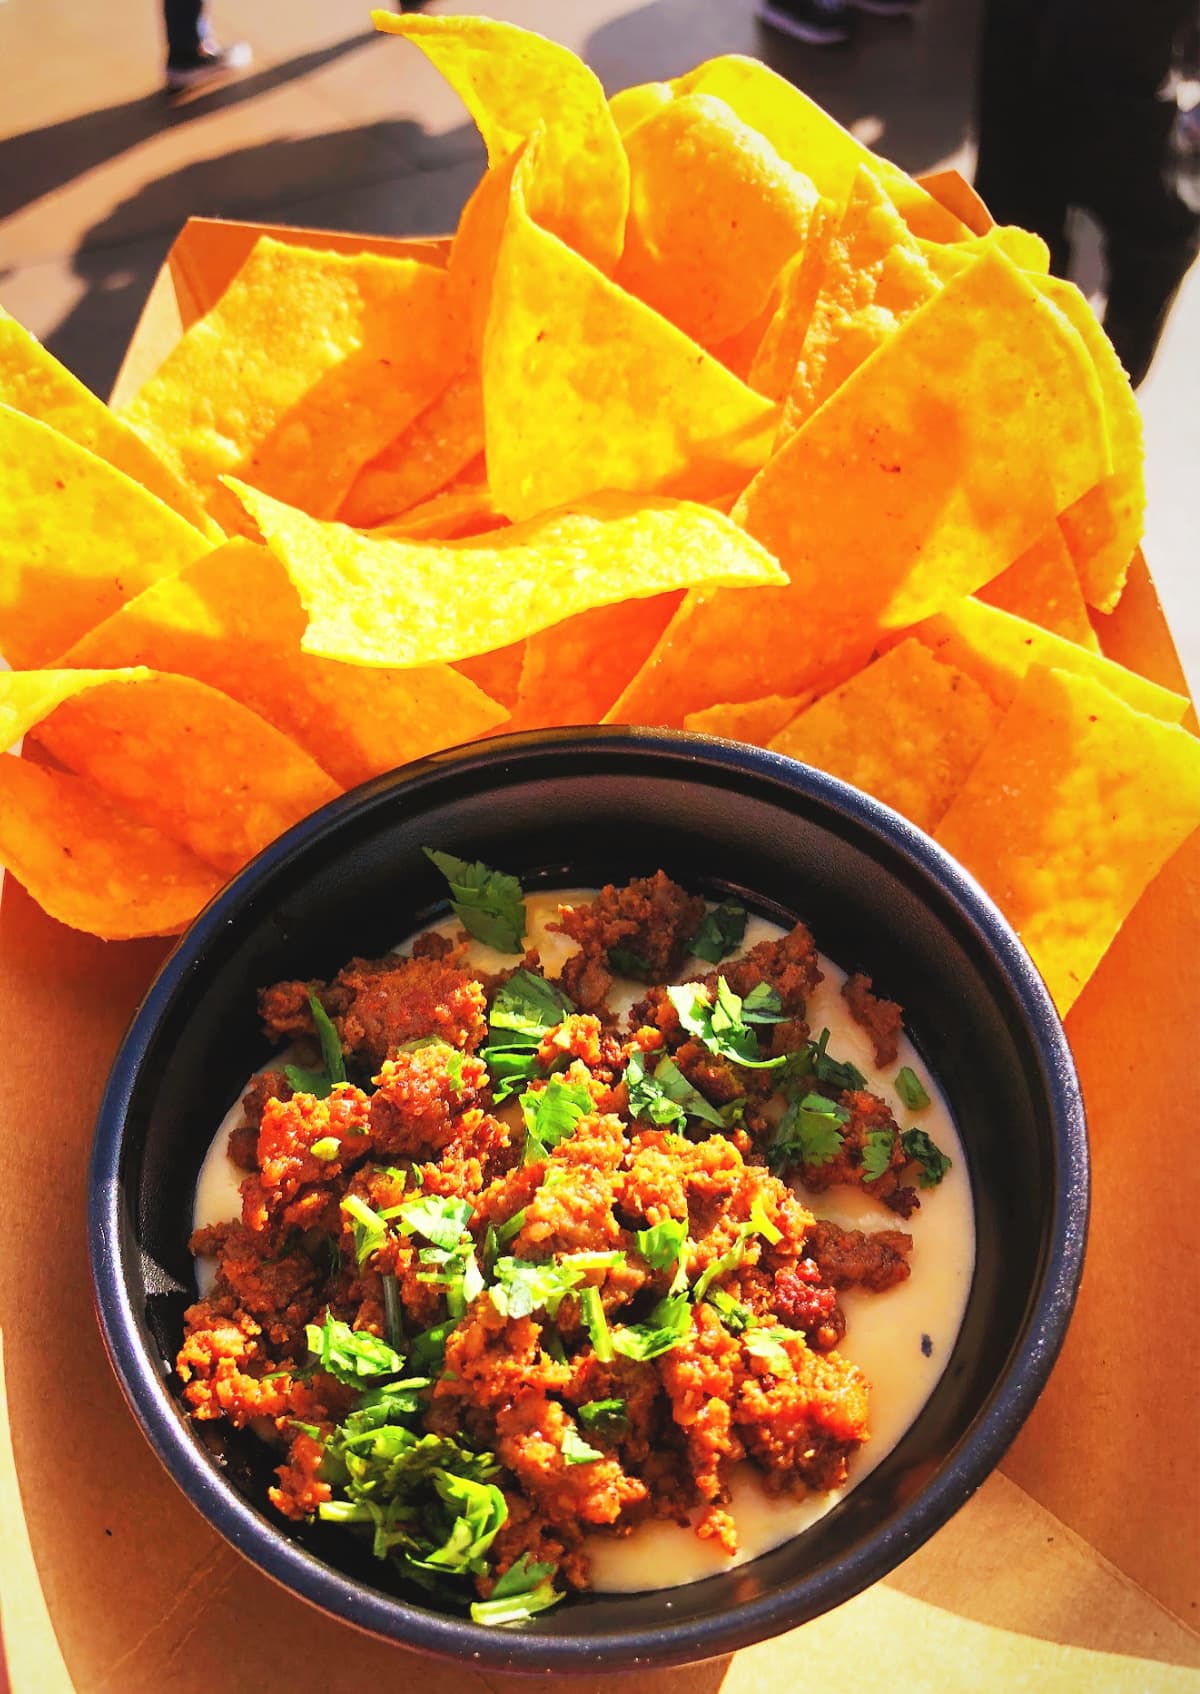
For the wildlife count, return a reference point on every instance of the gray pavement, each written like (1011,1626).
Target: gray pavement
(337,127)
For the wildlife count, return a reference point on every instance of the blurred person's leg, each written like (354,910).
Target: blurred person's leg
(193,57)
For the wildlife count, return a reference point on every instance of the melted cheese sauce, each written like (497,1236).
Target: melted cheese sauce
(901,1339)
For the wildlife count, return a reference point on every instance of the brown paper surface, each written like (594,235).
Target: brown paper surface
(1071,1568)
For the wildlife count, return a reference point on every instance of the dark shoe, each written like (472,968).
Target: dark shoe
(208,64)
(886,8)
(821,23)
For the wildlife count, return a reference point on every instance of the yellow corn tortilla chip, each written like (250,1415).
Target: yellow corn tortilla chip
(629,106)
(306,368)
(1026,250)
(234,621)
(573,672)
(511,80)
(586,388)
(1042,586)
(77,538)
(1071,811)
(465,508)
(435,449)
(997,648)
(474,249)
(714,215)
(497,673)
(905,730)
(381,602)
(810,140)
(32,381)
(180,756)
(755,721)
(1104,527)
(773,365)
(872,279)
(929,471)
(89,864)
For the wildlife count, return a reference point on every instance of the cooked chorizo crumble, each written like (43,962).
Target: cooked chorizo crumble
(508,1273)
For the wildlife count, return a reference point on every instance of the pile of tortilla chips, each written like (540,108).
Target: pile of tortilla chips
(705,417)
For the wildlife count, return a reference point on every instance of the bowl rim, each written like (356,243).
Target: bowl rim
(142,1380)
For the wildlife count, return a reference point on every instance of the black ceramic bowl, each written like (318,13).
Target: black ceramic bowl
(583,807)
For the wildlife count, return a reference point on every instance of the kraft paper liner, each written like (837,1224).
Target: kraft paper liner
(1074,1566)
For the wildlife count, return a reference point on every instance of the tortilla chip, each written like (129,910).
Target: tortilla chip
(905,730)
(778,352)
(1104,527)
(89,864)
(77,537)
(435,449)
(714,215)
(415,603)
(997,649)
(497,673)
(234,621)
(811,141)
(585,388)
(1073,808)
(309,365)
(936,465)
(511,80)
(465,508)
(873,278)
(629,106)
(32,381)
(573,672)
(755,721)
(180,756)
(1042,586)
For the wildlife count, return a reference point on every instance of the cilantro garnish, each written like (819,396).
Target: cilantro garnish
(428,1349)
(592,1311)
(666,1098)
(605,1417)
(668,1324)
(927,1154)
(320,1083)
(720,931)
(442,1221)
(808,1133)
(525,1588)
(523,1286)
(736,1317)
(525,1008)
(911,1090)
(393,1313)
(838,1073)
(877,1153)
(480,1512)
(628,963)
(662,1243)
(576,1451)
(552,1113)
(351,1355)
(489,905)
(764,1344)
(456,1270)
(369,1226)
(326,1149)
(720,1025)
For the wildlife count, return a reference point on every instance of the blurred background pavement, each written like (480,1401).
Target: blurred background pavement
(337,127)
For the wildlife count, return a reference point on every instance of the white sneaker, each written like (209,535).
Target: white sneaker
(209,63)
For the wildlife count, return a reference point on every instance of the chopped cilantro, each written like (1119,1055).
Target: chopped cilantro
(326,1149)
(910,1089)
(668,1324)
(575,1450)
(604,1417)
(489,905)
(442,1221)
(839,1073)
(763,1005)
(504,1232)
(525,1588)
(719,1024)
(592,1309)
(393,1314)
(370,1227)
(927,1154)
(428,1349)
(761,1224)
(552,1113)
(522,1286)
(662,1244)
(456,1270)
(508,1068)
(320,1083)
(729,1260)
(627,963)
(720,931)
(667,1098)
(764,1344)
(877,1153)
(350,1355)
(525,1008)
(808,1133)
(480,1512)
(736,1317)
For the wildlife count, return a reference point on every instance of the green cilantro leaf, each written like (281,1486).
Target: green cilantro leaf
(764,1344)
(911,1090)
(326,1149)
(669,1324)
(627,963)
(523,1286)
(508,1068)
(592,1311)
(763,1005)
(736,1317)
(526,1006)
(350,1355)
(489,905)
(427,1350)
(440,1220)
(552,1113)
(605,1417)
(761,1224)
(525,1588)
(839,1073)
(369,1226)
(877,1153)
(808,1133)
(720,931)
(662,1243)
(481,1511)
(575,1450)
(926,1153)
(667,1098)
(320,1083)
(719,1024)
